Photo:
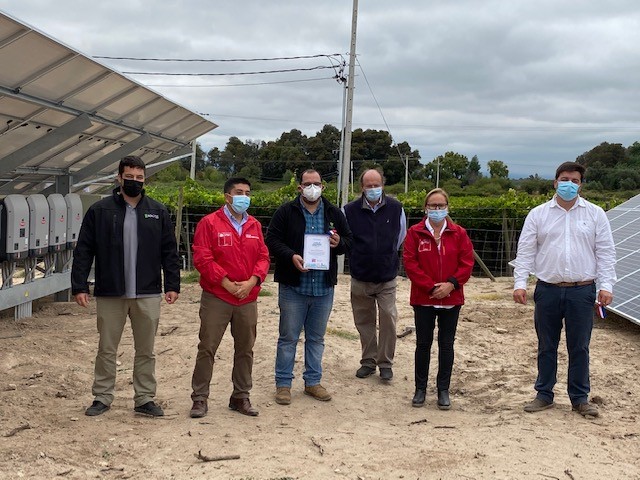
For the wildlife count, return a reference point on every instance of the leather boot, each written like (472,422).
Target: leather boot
(418,397)
(443,400)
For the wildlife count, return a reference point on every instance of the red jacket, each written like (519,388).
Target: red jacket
(426,266)
(218,252)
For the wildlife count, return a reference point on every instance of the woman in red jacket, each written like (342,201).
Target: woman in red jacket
(438,259)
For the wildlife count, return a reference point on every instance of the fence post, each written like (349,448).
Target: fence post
(179,216)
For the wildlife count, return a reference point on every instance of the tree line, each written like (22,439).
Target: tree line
(610,166)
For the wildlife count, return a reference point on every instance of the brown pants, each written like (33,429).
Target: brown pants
(144,314)
(215,315)
(364,296)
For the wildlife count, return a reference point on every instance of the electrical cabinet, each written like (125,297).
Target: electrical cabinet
(14,228)
(38,224)
(74,218)
(57,222)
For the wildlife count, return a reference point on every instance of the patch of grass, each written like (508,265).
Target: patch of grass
(190,276)
(265,293)
(343,334)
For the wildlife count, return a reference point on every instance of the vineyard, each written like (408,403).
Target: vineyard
(493,221)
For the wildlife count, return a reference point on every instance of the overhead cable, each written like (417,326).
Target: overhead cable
(142,59)
(319,67)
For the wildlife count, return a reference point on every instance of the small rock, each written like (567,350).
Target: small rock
(12,386)
(501,330)
(74,419)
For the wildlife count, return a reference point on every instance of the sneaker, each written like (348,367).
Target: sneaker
(96,408)
(365,371)
(149,408)
(386,374)
(586,409)
(283,395)
(199,409)
(537,405)
(318,392)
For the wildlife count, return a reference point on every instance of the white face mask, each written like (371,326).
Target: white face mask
(312,193)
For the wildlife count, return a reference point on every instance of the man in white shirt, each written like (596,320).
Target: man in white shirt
(567,244)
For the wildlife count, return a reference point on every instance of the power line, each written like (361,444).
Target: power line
(144,59)
(244,84)
(319,67)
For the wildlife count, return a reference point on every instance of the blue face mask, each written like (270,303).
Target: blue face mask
(437,215)
(240,203)
(567,190)
(373,194)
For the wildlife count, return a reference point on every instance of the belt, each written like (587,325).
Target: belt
(569,284)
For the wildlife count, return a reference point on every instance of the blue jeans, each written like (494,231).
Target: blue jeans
(575,306)
(298,312)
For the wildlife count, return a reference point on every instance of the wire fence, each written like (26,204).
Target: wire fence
(495,244)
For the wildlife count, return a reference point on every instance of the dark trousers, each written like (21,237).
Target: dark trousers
(215,315)
(425,319)
(575,306)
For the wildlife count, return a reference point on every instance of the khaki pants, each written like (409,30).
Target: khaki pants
(364,297)
(144,314)
(215,315)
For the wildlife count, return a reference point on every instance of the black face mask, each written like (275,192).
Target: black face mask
(132,188)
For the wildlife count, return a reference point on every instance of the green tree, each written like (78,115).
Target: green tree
(633,154)
(451,165)
(497,169)
(473,172)
(607,154)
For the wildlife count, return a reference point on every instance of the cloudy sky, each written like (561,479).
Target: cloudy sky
(530,83)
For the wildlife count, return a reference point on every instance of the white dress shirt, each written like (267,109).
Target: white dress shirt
(557,245)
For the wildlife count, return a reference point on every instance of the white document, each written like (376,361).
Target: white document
(316,252)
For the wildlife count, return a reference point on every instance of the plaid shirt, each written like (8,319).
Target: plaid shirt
(313,283)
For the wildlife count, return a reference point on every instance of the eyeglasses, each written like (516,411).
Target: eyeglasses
(308,184)
(436,206)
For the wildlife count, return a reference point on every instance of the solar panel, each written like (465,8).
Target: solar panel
(63,113)
(625,226)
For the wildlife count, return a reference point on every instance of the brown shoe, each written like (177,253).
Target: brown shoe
(318,392)
(586,409)
(199,409)
(283,395)
(242,405)
(537,405)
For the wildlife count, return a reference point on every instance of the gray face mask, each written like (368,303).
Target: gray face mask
(312,193)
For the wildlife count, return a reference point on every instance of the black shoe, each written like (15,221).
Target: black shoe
(365,371)
(96,408)
(419,397)
(149,408)
(386,374)
(443,400)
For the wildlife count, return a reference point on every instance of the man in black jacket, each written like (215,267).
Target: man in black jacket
(305,293)
(131,239)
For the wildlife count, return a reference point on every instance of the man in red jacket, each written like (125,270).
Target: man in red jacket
(233,260)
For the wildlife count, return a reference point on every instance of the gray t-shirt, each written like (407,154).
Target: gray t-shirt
(130,242)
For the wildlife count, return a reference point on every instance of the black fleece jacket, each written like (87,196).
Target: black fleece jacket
(101,237)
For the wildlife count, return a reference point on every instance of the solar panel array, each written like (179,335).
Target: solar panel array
(66,117)
(625,226)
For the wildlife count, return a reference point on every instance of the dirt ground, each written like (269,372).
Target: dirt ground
(368,431)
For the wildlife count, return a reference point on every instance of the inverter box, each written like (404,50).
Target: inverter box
(38,224)
(14,228)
